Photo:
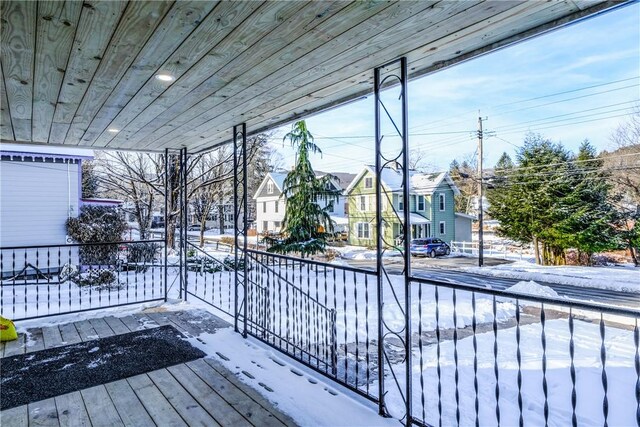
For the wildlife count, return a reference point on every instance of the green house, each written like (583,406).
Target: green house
(431,206)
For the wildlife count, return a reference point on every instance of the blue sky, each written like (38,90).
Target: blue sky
(586,77)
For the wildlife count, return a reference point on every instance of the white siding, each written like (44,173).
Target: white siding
(35,201)
(271,216)
(463,229)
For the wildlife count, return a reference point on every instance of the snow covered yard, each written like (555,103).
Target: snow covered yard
(353,296)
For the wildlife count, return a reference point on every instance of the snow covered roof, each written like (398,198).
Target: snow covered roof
(340,220)
(415,218)
(48,151)
(420,183)
(344,178)
(464,215)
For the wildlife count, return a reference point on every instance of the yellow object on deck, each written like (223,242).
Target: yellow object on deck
(7,330)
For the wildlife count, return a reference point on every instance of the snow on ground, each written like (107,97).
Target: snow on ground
(532,288)
(623,278)
(309,398)
(361,253)
(620,371)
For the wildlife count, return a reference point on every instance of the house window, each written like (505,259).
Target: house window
(421,203)
(442,227)
(362,203)
(330,208)
(441,201)
(276,207)
(400,202)
(276,225)
(363,230)
(265,225)
(368,183)
(270,187)
(264,207)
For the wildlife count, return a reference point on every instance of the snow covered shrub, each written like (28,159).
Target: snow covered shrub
(97,224)
(203,264)
(99,278)
(144,252)
(68,272)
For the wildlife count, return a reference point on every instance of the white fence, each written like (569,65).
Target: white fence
(492,249)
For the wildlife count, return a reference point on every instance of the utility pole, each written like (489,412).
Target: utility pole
(480,196)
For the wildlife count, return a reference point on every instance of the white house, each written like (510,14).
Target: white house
(271,204)
(40,187)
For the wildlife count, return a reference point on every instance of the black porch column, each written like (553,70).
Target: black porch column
(392,156)
(240,205)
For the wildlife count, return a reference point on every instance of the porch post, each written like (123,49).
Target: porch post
(166,219)
(394,154)
(184,210)
(240,206)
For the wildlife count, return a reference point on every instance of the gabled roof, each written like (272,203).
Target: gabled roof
(343,181)
(420,183)
(276,177)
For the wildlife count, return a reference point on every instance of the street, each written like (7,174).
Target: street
(443,270)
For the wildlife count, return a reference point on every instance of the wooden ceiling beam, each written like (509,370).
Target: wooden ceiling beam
(178,24)
(18,50)
(137,25)
(98,22)
(55,30)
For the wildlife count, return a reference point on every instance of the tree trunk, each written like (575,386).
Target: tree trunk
(221,218)
(634,254)
(536,249)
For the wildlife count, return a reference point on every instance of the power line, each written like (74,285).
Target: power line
(528,100)
(567,162)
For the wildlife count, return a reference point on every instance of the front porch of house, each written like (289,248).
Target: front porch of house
(199,392)
(182,78)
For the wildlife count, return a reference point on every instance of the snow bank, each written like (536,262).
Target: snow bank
(624,278)
(532,288)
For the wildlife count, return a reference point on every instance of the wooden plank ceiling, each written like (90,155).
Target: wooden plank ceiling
(85,72)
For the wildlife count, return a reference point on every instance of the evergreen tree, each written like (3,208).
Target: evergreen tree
(590,225)
(554,200)
(525,196)
(306,224)
(89,180)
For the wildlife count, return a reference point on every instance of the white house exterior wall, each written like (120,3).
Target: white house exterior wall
(271,216)
(37,198)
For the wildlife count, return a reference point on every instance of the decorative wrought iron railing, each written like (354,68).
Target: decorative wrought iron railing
(211,277)
(494,357)
(323,315)
(39,281)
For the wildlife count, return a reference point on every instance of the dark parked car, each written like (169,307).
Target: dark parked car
(429,246)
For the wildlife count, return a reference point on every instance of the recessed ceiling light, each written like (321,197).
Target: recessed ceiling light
(165,77)
(113,130)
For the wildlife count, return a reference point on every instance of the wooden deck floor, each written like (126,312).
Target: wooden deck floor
(201,392)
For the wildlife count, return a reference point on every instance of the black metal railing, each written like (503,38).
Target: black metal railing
(323,315)
(490,357)
(38,281)
(280,313)
(210,276)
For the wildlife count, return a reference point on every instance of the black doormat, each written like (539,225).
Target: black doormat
(43,374)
